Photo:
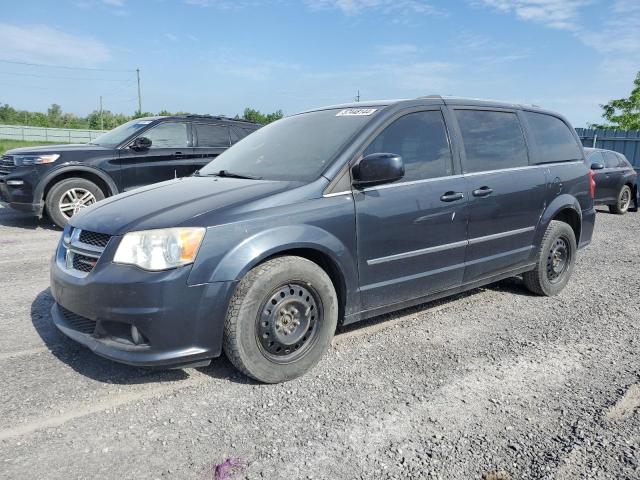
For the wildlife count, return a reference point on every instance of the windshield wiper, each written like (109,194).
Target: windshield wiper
(228,174)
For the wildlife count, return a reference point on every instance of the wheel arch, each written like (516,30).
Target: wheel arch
(564,208)
(306,241)
(106,183)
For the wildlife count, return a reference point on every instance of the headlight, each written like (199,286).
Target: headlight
(24,160)
(160,249)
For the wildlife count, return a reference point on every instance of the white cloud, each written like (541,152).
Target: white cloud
(114,3)
(356,7)
(560,14)
(400,49)
(620,32)
(44,44)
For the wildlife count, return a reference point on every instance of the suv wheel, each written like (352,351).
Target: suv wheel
(624,200)
(281,319)
(69,196)
(556,259)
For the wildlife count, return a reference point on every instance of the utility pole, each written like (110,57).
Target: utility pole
(139,96)
(101,119)
(358,96)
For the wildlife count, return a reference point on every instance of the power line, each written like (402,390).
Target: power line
(65,66)
(66,78)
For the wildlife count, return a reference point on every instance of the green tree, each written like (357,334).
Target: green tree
(623,113)
(256,116)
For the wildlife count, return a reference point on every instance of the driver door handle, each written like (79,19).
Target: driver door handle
(482,192)
(178,155)
(452,196)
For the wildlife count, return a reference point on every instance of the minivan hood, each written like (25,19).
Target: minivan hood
(172,203)
(55,149)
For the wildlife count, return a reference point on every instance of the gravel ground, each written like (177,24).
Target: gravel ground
(494,384)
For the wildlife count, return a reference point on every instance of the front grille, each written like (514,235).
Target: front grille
(6,164)
(94,238)
(81,250)
(77,322)
(83,263)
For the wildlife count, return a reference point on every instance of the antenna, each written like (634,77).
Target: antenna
(358,96)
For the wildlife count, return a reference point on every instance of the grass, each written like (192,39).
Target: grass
(9,144)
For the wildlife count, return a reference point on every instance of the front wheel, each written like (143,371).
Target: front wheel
(281,319)
(624,200)
(556,259)
(69,196)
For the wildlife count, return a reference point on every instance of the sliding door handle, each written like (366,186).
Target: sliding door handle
(482,192)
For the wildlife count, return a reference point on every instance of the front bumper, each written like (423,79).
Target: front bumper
(19,197)
(182,325)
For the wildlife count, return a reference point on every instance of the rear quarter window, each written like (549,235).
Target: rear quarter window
(492,140)
(553,138)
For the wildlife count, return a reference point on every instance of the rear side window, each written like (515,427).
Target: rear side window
(212,135)
(421,140)
(492,140)
(554,139)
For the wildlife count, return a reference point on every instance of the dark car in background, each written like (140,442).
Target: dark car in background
(616,180)
(332,215)
(59,180)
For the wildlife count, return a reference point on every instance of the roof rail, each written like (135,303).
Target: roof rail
(218,117)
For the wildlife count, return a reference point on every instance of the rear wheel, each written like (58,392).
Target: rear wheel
(69,196)
(556,259)
(281,319)
(624,200)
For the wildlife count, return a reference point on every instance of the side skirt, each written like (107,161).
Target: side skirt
(356,317)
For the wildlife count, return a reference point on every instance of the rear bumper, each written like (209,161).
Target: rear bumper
(588,225)
(181,324)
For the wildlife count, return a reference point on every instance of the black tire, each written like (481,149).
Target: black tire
(625,197)
(553,269)
(254,331)
(54,202)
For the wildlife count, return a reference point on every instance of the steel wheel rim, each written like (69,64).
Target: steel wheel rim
(287,322)
(74,200)
(625,199)
(558,259)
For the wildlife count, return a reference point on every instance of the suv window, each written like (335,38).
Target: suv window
(210,135)
(492,140)
(421,140)
(553,138)
(595,157)
(168,135)
(611,160)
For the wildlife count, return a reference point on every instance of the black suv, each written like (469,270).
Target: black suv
(333,215)
(616,180)
(62,179)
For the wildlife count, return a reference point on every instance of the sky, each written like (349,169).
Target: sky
(220,56)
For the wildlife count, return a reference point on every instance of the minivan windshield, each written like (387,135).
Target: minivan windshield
(119,134)
(297,148)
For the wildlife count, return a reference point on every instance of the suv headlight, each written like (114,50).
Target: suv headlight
(160,249)
(24,160)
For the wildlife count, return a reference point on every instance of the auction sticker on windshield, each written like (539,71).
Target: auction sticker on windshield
(350,112)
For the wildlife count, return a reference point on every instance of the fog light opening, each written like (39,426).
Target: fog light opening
(136,336)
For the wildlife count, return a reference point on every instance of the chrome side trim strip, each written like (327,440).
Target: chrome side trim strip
(448,246)
(413,182)
(415,253)
(336,194)
(416,276)
(496,236)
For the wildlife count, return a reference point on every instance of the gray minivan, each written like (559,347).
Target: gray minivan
(329,216)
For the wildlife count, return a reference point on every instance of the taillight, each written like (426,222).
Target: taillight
(592,184)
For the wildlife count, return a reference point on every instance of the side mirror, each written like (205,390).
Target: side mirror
(378,168)
(597,166)
(141,143)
